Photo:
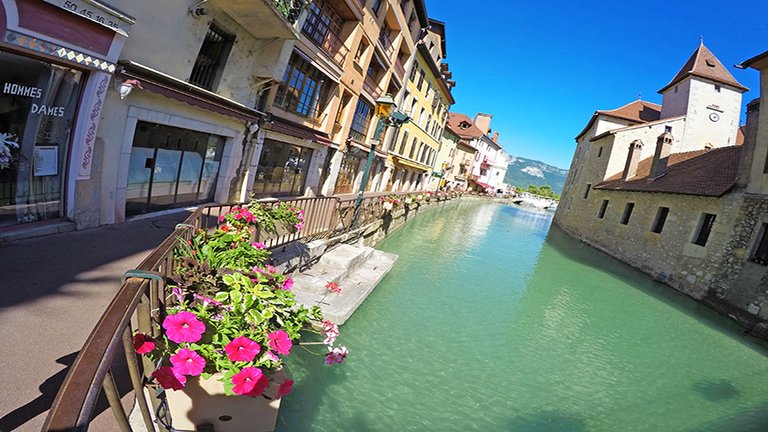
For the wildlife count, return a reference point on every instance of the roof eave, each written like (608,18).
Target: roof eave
(753,61)
(737,86)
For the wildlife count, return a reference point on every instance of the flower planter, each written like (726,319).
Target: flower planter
(203,401)
(388,206)
(281,229)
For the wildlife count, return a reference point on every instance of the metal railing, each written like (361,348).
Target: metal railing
(328,42)
(399,69)
(139,305)
(370,85)
(290,9)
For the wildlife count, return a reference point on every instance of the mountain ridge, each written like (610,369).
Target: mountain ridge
(524,172)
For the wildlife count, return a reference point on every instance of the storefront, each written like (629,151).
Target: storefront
(38,105)
(350,165)
(282,169)
(55,69)
(171,167)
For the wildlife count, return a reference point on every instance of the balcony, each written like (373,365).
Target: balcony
(370,86)
(385,44)
(399,69)
(265,18)
(329,43)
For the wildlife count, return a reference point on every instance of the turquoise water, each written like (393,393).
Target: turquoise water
(490,321)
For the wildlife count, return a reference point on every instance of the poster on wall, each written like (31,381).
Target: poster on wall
(46,161)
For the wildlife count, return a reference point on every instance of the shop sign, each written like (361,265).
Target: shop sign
(95,12)
(15,89)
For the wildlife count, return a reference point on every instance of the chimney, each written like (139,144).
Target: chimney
(483,122)
(750,141)
(633,159)
(496,137)
(661,157)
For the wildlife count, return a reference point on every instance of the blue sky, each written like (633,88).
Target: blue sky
(542,68)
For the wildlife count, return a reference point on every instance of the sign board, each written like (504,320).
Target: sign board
(46,161)
(99,13)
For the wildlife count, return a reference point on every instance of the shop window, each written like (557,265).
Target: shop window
(603,208)
(282,169)
(361,120)
(171,167)
(38,105)
(350,165)
(760,254)
(660,220)
(706,222)
(210,62)
(627,213)
(304,89)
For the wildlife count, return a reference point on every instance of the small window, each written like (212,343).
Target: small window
(627,213)
(760,255)
(705,228)
(586,192)
(717,88)
(668,129)
(661,218)
(600,152)
(603,208)
(675,89)
(212,57)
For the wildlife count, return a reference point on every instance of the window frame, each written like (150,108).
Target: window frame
(627,215)
(359,128)
(603,208)
(759,253)
(704,229)
(660,220)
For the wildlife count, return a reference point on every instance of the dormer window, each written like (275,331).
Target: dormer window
(710,62)
(464,125)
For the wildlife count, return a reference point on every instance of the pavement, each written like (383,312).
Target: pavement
(53,290)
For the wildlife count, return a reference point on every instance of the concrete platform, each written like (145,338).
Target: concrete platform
(357,270)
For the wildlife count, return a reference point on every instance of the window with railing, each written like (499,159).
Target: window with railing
(304,89)
(212,57)
(323,27)
(361,121)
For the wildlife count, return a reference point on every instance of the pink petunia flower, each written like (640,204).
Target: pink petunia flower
(143,343)
(280,342)
(249,382)
(299,226)
(183,327)
(272,356)
(206,301)
(169,379)
(336,355)
(187,362)
(331,332)
(242,349)
(285,388)
(287,284)
(333,287)
(258,245)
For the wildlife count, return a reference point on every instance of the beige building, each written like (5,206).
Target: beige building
(671,190)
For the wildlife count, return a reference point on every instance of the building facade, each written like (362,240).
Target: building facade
(674,189)
(58,63)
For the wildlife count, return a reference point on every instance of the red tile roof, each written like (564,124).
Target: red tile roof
(701,172)
(704,64)
(638,111)
(455,121)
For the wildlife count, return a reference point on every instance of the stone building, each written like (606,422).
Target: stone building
(674,189)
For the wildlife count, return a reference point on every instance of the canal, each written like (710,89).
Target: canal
(490,321)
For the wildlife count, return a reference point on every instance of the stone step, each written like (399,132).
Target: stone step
(310,285)
(346,258)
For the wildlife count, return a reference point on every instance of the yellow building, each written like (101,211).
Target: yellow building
(426,99)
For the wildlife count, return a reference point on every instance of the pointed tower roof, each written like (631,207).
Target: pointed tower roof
(704,64)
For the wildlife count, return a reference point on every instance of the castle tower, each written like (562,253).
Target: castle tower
(710,98)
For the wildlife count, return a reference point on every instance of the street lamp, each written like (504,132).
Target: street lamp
(385,105)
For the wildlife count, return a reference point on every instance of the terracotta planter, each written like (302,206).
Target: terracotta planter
(203,401)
